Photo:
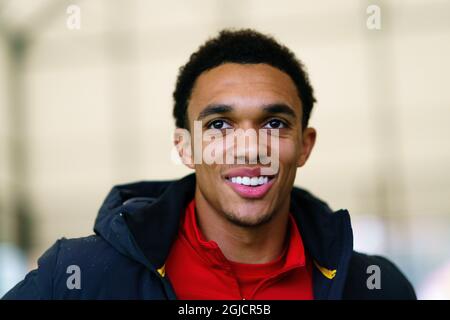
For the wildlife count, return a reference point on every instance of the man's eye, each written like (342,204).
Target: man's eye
(275,124)
(219,125)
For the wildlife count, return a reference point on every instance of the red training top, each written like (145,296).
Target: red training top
(198,269)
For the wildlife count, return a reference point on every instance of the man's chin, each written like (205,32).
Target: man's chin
(248,220)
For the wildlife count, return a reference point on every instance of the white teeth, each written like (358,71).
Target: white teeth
(250,181)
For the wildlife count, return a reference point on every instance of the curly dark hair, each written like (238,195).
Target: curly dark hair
(245,46)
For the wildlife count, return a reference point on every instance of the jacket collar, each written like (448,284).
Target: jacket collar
(142,219)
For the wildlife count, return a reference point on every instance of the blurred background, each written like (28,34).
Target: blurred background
(86,106)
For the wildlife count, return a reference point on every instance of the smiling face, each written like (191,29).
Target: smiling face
(249,96)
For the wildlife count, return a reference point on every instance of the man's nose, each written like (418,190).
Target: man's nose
(247,152)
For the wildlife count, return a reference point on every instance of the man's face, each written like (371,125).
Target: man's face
(252,96)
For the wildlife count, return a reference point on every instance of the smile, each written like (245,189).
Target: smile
(248,182)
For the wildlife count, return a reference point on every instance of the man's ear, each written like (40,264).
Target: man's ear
(308,141)
(182,142)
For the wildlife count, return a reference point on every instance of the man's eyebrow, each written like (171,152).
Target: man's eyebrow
(280,108)
(214,109)
(275,108)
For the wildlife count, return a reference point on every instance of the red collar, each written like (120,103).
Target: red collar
(293,255)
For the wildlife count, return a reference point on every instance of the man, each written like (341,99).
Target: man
(235,229)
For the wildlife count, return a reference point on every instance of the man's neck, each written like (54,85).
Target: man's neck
(258,244)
